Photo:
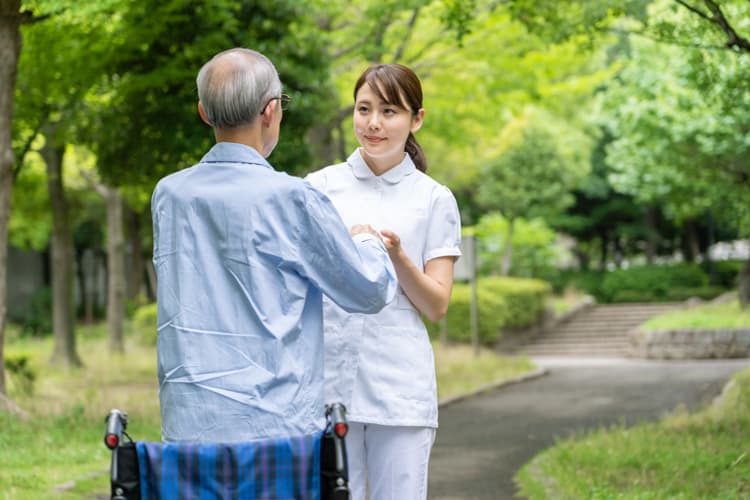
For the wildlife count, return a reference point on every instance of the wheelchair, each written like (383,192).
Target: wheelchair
(270,469)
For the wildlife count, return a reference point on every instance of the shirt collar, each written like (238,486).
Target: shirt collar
(233,152)
(392,176)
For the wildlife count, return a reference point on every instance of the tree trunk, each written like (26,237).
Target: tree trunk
(135,274)
(651,236)
(63,313)
(507,257)
(691,247)
(10,48)
(87,274)
(743,290)
(115,269)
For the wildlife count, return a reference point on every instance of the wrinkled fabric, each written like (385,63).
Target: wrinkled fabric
(382,366)
(243,255)
(287,468)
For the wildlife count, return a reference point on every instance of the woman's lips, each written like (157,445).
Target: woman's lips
(374,139)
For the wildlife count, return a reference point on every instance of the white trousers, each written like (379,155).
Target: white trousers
(392,461)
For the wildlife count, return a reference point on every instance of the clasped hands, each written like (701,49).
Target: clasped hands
(390,239)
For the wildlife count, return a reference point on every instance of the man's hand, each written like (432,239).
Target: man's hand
(364,228)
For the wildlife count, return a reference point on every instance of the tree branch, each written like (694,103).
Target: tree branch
(28,17)
(695,10)
(734,40)
(410,29)
(657,39)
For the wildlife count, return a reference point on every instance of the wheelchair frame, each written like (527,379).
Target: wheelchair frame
(125,475)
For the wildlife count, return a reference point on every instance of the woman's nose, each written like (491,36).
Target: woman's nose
(374,122)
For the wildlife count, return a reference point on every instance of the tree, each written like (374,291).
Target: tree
(61,60)
(143,123)
(679,117)
(533,172)
(10,47)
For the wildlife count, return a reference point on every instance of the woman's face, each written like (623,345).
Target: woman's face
(382,128)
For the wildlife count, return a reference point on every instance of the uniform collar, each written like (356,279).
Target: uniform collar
(392,176)
(233,152)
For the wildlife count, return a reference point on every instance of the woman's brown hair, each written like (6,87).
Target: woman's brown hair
(397,85)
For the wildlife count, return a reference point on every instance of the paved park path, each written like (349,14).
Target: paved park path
(484,440)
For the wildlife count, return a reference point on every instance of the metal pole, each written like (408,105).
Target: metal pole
(473,306)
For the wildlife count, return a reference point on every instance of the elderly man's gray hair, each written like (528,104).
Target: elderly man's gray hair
(235,86)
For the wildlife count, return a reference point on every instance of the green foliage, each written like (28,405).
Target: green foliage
(698,455)
(676,114)
(534,170)
(30,219)
(21,374)
(649,282)
(501,303)
(144,324)
(655,283)
(146,120)
(726,272)
(557,22)
(535,252)
(587,281)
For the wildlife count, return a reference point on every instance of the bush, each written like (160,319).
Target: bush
(502,303)
(588,282)
(725,272)
(144,324)
(649,283)
(525,299)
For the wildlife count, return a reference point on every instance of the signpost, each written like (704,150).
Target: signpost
(465,270)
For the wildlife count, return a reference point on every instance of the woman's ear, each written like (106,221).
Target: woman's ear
(417,120)
(202,112)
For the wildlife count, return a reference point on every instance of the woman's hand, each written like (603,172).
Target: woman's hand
(429,289)
(392,241)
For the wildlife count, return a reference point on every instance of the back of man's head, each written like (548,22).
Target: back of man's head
(235,86)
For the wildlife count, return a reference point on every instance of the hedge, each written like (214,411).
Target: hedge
(501,302)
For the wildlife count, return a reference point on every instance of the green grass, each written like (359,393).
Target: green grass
(705,455)
(710,316)
(61,440)
(459,370)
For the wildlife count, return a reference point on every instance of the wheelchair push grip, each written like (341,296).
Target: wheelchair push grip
(116,423)
(337,415)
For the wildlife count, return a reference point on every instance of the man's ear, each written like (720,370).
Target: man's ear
(202,112)
(268,114)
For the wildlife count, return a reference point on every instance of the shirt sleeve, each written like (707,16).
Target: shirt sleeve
(444,227)
(317,180)
(355,273)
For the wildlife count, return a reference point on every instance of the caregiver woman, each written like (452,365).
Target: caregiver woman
(381,366)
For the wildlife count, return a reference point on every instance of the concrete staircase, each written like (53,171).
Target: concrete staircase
(596,331)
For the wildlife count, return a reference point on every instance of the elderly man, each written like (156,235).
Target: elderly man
(243,256)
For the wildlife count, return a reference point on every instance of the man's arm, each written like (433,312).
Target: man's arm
(354,271)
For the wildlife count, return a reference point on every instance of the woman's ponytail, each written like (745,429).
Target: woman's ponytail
(416,153)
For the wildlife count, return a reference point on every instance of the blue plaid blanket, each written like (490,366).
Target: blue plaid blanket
(273,469)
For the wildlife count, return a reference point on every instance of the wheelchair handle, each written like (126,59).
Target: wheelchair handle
(336,415)
(116,423)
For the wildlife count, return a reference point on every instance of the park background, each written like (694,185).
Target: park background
(595,148)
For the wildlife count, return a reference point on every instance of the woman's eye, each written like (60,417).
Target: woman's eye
(389,111)
(362,109)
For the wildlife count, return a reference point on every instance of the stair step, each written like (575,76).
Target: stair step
(602,330)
